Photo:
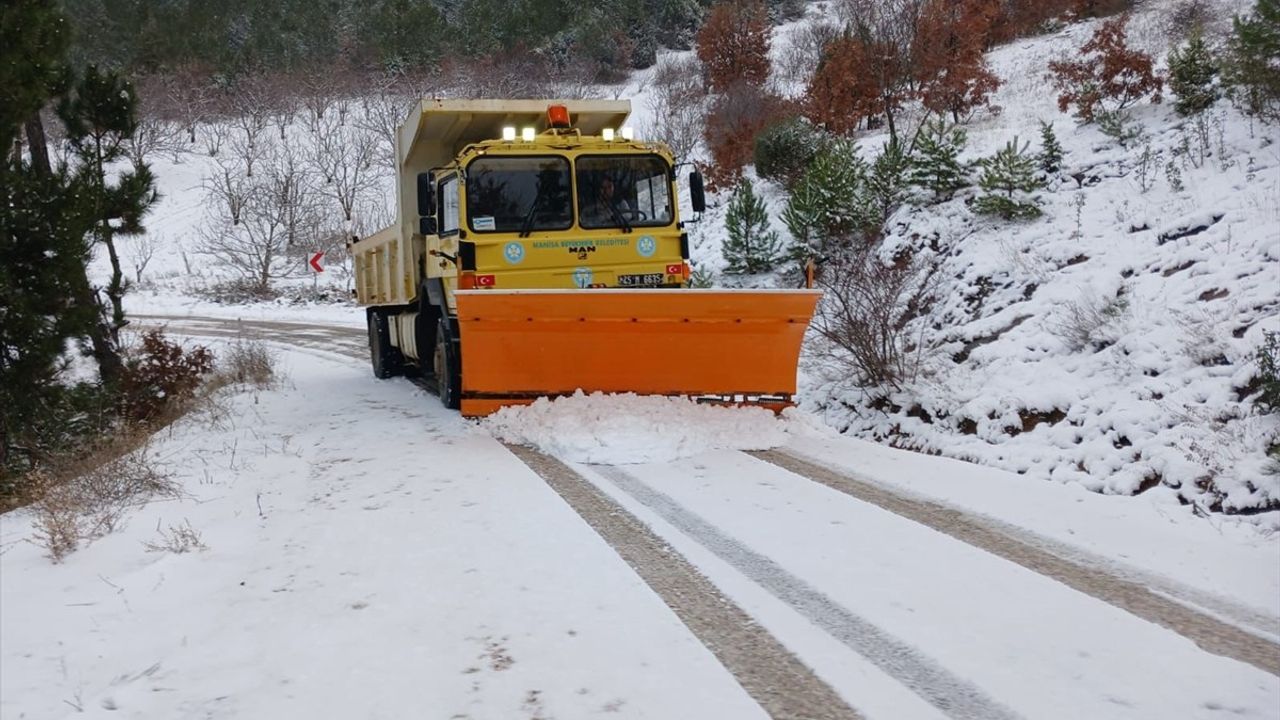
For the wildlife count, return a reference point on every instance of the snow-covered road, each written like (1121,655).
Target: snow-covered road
(373,555)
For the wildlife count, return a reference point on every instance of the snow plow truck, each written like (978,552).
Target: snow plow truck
(538,250)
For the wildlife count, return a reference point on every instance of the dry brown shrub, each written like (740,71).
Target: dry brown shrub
(177,539)
(85,498)
(733,44)
(251,362)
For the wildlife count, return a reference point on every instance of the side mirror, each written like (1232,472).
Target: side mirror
(426,195)
(426,226)
(697,195)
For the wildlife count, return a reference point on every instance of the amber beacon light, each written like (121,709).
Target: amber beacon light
(558,116)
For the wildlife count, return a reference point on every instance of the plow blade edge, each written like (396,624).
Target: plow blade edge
(731,345)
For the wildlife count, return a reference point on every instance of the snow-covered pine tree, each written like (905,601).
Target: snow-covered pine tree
(887,183)
(1011,170)
(1051,154)
(1191,73)
(831,204)
(935,165)
(752,246)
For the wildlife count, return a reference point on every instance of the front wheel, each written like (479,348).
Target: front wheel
(448,366)
(386,360)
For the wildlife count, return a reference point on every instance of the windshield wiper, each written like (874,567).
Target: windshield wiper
(527,226)
(617,215)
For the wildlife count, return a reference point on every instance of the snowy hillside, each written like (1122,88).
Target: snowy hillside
(1109,343)
(1171,282)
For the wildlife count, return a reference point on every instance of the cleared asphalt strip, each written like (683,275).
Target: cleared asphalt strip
(1209,633)
(954,696)
(783,686)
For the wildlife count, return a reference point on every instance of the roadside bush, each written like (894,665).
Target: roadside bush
(863,319)
(249,361)
(785,149)
(84,499)
(1111,77)
(162,375)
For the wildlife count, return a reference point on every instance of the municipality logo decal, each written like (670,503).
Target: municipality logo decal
(513,252)
(582,277)
(646,246)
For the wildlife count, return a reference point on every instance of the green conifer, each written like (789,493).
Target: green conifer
(752,246)
(935,166)
(1050,157)
(1251,70)
(1192,70)
(1007,178)
(887,183)
(100,115)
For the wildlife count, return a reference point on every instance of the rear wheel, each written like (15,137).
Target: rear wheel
(386,360)
(448,366)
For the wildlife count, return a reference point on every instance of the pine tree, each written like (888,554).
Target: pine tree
(1251,70)
(887,183)
(935,165)
(43,223)
(1191,73)
(832,203)
(752,246)
(1050,157)
(100,115)
(1011,170)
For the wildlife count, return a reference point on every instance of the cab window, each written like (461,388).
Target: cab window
(449,205)
(623,191)
(517,194)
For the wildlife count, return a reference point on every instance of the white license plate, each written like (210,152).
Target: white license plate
(639,280)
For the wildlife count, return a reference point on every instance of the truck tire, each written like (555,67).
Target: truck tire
(386,361)
(448,366)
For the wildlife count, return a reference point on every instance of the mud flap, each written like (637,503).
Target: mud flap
(726,345)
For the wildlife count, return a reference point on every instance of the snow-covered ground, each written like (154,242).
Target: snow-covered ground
(369,554)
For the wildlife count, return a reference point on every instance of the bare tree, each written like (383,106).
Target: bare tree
(278,223)
(248,149)
(214,135)
(677,105)
(383,111)
(803,51)
(321,91)
(343,158)
(153,135)
(190,98)
(228,189)
(141,250)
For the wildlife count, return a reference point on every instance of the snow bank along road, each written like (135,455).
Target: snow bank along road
(401,561)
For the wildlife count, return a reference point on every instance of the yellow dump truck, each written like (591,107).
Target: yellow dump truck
(538,250)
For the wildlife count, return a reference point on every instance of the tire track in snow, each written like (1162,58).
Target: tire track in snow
(785,687)
(1207,632)
(953,695)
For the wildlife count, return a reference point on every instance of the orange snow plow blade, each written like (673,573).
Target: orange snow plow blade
(735,346)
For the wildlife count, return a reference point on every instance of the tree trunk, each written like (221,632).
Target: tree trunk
(37,145)
(105,352)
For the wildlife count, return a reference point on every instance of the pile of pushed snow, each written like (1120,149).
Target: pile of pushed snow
(629,428)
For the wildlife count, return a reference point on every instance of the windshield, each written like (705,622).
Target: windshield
(518,194)
(623,192)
